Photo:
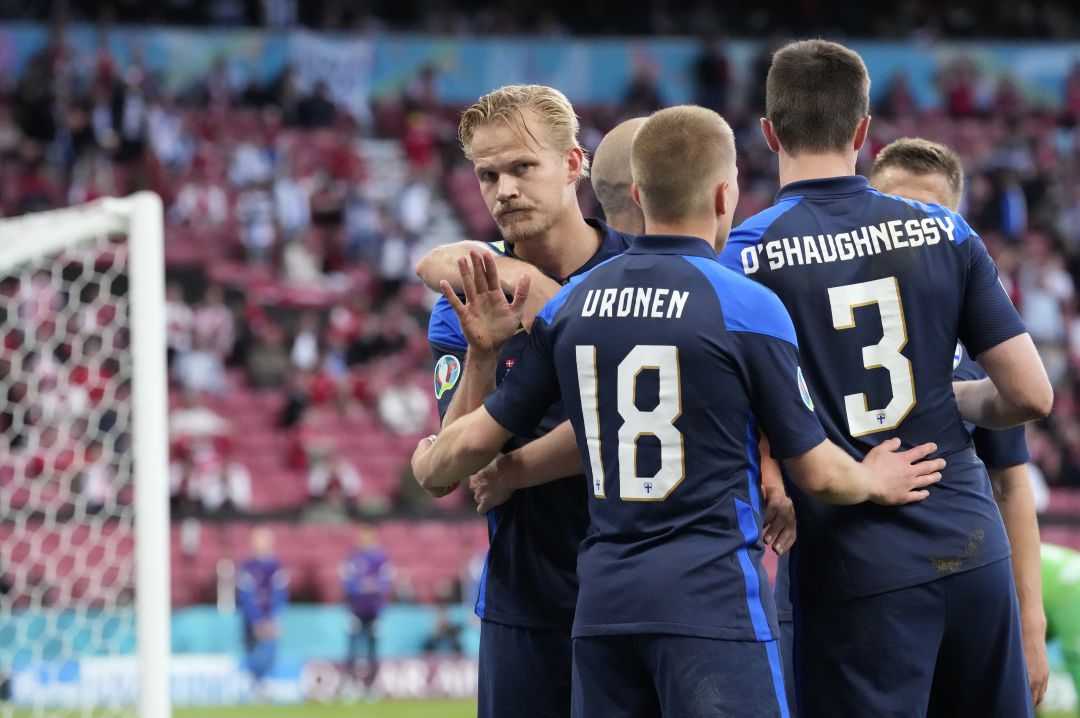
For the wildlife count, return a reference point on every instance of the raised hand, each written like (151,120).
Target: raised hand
(901,477)
(487,319)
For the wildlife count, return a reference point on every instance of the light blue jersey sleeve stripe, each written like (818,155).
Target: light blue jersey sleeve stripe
(955,226)
(750,232)
(444,328)
(747,305)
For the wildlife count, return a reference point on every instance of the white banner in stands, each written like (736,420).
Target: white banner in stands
(345,65)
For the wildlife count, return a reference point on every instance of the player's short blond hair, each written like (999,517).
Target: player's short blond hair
(507,104)
(677,158)
(921,157)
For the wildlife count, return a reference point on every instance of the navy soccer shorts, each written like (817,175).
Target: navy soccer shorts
(524,672)
(648,675)
(948,648)
(787,640)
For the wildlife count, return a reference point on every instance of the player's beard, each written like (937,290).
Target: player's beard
(526,225)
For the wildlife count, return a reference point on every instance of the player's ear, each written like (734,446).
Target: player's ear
(769,131)
(862,130)
(720,199)
(575,162)
(636,195)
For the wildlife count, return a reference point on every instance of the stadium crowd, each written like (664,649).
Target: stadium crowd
(299,368)
(300,373)
(292,274)
(1041,19)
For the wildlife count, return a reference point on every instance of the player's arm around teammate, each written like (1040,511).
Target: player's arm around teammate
(440,264)
(463,447)
(555,455)
(1017,391)
(486,325)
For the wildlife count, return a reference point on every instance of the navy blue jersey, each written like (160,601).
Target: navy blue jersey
(880,288)
(530,576)
(999,449)
(667,363)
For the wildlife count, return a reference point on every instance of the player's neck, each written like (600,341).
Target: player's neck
(628,222)
(565,248)
(702,230)
(811,167)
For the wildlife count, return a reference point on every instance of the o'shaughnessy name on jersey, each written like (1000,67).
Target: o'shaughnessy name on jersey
(861,242)
(658,303)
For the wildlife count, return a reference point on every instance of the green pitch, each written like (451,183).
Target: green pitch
(360,709)
(383,709)
(386,709)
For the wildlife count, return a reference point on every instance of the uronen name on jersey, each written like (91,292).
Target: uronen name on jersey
(657,303)
(861,242)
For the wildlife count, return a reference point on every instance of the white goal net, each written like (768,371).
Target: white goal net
(84,582)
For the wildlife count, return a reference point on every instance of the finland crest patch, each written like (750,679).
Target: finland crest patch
(957,356)
(805,392)
(447,373)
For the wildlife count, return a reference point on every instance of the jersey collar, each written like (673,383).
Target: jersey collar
(671,244)
(612,243)
(825,187)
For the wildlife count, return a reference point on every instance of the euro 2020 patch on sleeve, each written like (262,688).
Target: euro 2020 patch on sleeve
(447,373)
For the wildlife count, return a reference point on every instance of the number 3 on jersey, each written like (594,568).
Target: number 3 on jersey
(884,355)
(658,422)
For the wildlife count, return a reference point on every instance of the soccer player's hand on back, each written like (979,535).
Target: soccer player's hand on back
(779,526)
(490,487)
(487,319)
(902,477)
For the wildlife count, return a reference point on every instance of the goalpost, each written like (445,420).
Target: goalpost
(84,517)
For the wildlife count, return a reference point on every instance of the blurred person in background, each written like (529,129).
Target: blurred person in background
(201,202)
(366,575)
(213,324)
(331,477)
(221,484)
(712,76)
(305,344)
(179,322)
(268,363)
(404,408)
(202,369)
(445,634)
(262,592)
(255,213)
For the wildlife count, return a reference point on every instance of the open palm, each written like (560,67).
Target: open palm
(487,319)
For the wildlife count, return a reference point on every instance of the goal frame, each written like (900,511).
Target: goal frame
(140,217)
